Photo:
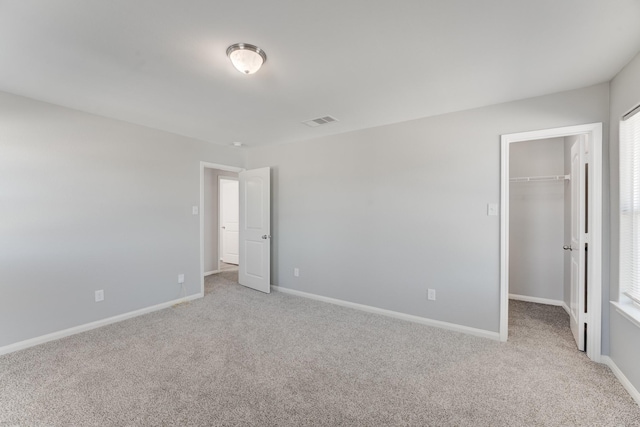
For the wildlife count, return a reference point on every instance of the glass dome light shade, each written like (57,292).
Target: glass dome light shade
(246,58)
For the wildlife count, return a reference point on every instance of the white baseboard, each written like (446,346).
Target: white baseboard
(209,273)
(635,394)
(408,317)
(546,301)
(93,325)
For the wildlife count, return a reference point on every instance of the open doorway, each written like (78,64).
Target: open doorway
(220,220)
(253,225)
(551,198)
(539,220)
(212,235)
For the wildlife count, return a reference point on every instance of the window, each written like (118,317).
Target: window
(630,206)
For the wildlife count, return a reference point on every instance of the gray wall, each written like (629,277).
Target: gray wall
(536,220)
(374,216)
(625,336)
(91,203)
(377,216)
(211,211)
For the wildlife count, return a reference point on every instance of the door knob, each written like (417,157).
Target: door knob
(567,248)
(266,237)
(223,227)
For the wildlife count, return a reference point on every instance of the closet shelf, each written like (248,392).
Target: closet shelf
(540,178)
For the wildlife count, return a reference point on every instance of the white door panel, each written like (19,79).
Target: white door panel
(229,220)
(254,257)
(578,211)
(255,188)
(255,233)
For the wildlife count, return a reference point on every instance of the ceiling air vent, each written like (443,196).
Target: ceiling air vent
(320,121)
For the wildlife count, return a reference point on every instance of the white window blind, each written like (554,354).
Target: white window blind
(630,206)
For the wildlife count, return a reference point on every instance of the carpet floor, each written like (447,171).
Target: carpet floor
(228,267)
(241,358)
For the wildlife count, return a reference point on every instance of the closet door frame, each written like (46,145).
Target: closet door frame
(593,133)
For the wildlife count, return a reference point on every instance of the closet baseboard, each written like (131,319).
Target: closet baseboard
(537,300)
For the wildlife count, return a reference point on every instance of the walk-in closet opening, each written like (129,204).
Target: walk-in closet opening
(551,225)
(540,222)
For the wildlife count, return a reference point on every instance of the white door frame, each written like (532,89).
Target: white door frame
(204,165)
(220,178)
(594,208)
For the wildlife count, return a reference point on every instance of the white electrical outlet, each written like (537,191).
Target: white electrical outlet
(296,272)
(431,294)
(100,295)
(180,279)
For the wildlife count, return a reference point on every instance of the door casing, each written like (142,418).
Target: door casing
(593,132)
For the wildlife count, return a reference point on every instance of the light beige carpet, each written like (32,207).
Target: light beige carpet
(224,267)
(239,357)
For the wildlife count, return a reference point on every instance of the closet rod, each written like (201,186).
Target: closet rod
(540,178)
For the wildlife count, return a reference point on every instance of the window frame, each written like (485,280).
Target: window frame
(628,303)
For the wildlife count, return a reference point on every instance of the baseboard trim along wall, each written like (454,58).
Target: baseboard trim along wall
(635,394)
(540,301)
(209,273)
(402,316)
(21,345)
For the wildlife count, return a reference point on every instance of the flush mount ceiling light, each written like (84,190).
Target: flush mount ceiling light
(246,57)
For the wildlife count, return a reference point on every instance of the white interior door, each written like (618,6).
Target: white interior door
(577,247)
(229,221)
(255,229)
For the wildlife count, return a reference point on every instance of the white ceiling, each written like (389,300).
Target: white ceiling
(162,63)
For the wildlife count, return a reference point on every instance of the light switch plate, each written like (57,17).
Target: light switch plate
(194,210)
(100,295)
(492,209)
